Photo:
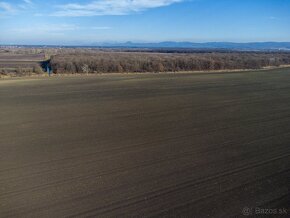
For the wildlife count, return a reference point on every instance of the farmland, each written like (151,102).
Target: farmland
(20,63)
(148,145)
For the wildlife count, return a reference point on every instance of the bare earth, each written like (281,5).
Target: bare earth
(186,145)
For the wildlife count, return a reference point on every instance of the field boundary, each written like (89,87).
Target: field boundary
(44,75)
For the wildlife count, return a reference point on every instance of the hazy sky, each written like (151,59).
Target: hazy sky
(88,21)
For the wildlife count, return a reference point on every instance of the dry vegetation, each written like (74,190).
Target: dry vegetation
(23,61)
(110,62)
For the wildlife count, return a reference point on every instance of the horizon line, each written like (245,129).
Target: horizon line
(102,43)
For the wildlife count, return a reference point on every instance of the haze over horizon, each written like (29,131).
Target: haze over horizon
(75,22)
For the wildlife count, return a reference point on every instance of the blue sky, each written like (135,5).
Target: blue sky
(90,21)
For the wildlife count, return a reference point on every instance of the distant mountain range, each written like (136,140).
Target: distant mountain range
(208,45)
(252,46)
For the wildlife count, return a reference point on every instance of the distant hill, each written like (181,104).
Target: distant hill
(251,46)
(208,45)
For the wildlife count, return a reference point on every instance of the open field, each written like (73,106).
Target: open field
(14,63)
(156,145)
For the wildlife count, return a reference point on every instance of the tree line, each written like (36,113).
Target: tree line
(119,62)
(92,60)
